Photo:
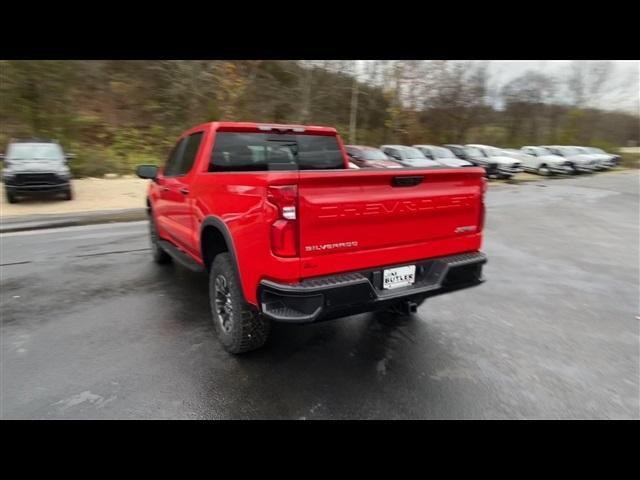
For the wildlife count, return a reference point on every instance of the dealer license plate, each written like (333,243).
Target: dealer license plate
(399,277)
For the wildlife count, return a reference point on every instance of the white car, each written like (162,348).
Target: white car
(614,160)
(408,156)
(541,161)
(605,161)
(443,156)
(494,160)
(580,161)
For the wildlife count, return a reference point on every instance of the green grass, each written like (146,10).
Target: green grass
(630,160)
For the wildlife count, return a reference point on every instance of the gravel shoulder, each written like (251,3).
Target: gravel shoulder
(91,194)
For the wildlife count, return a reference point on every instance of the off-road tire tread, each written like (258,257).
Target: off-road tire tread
(252,331)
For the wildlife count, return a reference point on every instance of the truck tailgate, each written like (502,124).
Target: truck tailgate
(351,220)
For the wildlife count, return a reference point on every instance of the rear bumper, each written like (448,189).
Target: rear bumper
(335,296)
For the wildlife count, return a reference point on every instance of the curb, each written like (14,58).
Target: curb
(38,222)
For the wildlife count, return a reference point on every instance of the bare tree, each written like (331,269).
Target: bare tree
(586,81)
(353,111)
(526,100)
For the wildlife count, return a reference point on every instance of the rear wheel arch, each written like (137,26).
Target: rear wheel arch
(215,238)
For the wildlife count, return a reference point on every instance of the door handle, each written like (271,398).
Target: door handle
(184,191)
(165,189)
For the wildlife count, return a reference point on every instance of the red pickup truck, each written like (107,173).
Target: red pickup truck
(287,232)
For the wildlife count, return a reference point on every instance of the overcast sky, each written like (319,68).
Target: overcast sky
(623,89)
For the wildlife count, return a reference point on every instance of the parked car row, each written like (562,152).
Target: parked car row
(497,162)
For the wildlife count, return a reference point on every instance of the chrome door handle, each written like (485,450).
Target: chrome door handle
(184,191)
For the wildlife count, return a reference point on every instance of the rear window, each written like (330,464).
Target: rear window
(410,152)
(441,152)
(241,152)
(374,154)
(474,152)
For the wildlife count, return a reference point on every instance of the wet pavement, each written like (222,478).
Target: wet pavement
(92,328)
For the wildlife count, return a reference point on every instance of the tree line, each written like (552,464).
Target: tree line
(114,114)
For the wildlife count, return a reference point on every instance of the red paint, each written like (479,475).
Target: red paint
(345,220)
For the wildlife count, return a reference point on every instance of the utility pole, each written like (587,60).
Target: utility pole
(353,114)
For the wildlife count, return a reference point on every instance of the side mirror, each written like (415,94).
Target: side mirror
(70,156)
(147,172)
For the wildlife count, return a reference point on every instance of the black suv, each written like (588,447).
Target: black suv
(35,166)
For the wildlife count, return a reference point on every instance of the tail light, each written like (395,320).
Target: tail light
(284,230)
(482,207)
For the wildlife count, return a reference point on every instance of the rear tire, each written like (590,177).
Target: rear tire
(68,194)
(11,197)
(239,326)
(159,255)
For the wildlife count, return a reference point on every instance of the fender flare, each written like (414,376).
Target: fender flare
(222,227)
(218,223)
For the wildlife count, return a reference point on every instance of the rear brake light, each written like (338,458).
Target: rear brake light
(281,128)
(485,183)
(284,230)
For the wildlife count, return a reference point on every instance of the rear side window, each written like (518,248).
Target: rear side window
(374,154)
(391,151)
(241,152)
(190,152)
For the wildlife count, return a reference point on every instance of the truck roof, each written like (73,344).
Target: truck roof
(253,126)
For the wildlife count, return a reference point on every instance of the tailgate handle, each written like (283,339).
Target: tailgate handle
(406,181)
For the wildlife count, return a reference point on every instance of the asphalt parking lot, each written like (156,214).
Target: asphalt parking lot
(91,328)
